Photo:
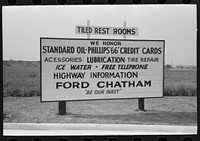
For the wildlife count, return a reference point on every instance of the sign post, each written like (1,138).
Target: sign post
(62,108)
(141,104)
(140,100)
(62,104)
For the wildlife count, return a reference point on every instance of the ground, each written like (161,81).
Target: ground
(170,110)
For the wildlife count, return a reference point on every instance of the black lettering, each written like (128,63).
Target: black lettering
(44,49)
(79,29)
(85,85)
(58,84)
(92,42)
(99,84)
(147,83)
(76,85)
(133,31)
(65,85)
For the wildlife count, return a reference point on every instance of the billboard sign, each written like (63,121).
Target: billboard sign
(86,69)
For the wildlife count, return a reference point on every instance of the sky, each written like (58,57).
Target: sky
(176,24)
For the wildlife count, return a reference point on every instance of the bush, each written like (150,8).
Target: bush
(168,91)
(34,93)
(6,63)
(180,89)
(15,92)
(23,91)
(168,66)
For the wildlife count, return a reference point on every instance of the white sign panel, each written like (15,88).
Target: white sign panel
(84,69)
(104,30)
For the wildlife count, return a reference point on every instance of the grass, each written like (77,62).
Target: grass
(160,111)
(180,82)
(22,78)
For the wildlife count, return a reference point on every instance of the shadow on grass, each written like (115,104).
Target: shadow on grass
(148,117)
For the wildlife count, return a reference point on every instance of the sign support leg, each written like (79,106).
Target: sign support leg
(62,108)
(140,100)
(141,104)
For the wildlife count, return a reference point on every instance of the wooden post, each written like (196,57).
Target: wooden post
(140,100)
(88,24)
(62,108)
(141,104)
(62,104)
(124,25)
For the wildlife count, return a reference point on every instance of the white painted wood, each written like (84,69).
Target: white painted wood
(153,73)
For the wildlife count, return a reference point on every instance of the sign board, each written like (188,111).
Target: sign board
(85,69)
(104,30)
